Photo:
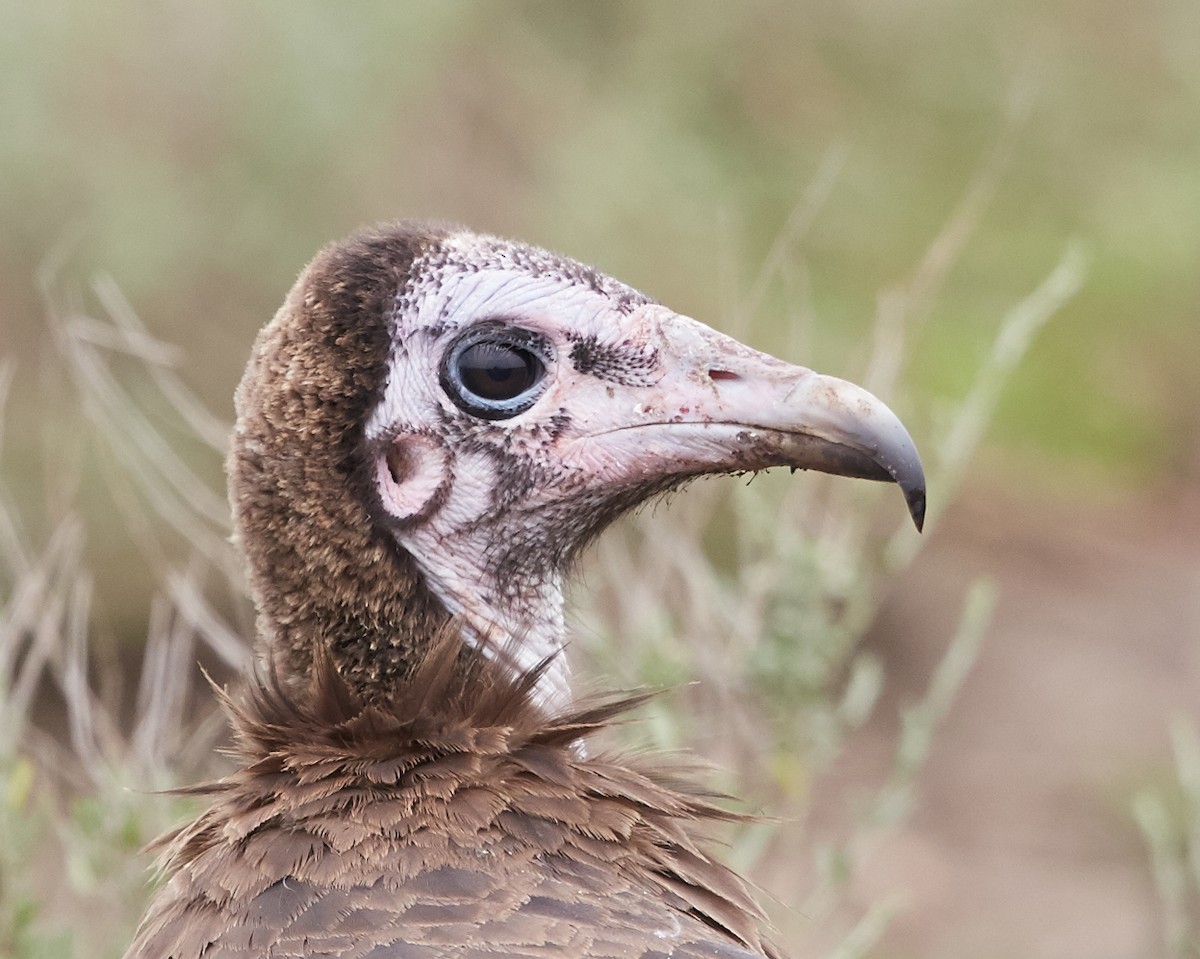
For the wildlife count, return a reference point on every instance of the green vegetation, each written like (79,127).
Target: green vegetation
(1169,817)
(872,191)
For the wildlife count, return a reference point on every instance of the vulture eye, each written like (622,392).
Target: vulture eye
(495,371)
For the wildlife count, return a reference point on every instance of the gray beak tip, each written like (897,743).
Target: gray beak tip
(914,496)
(899,458)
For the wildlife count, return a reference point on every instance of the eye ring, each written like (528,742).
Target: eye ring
(496,371)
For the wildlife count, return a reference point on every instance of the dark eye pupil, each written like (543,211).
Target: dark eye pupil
(493,371)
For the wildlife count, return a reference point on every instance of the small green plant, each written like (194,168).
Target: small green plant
(1169,819)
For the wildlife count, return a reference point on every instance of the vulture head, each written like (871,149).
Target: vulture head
(437,421)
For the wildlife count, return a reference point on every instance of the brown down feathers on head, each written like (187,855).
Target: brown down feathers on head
(316,372)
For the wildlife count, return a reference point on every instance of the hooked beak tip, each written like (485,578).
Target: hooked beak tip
(843,429)
(914,496)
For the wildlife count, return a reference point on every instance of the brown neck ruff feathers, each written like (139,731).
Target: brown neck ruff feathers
(455,816)
(428,430)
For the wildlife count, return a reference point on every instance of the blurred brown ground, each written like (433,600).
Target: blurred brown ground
(1023,843)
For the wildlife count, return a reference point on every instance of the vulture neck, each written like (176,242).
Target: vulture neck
(328,575)
(515,620)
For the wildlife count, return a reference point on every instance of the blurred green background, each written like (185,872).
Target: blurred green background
(200,153)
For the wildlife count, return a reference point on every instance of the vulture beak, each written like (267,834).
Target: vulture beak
(717,405)
(833,426)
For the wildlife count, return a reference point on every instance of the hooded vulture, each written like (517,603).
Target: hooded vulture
(429,431)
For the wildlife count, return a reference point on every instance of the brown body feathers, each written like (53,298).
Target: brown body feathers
(455,820)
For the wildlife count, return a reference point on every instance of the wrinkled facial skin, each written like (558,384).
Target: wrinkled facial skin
(628,399)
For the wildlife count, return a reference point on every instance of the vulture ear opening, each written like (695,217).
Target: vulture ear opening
(412,473)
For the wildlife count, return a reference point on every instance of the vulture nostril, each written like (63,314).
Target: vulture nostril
(723,375)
